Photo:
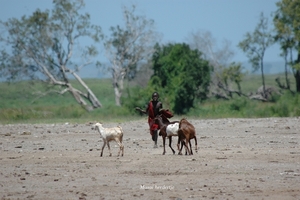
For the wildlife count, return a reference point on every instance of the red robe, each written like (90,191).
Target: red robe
(153,126)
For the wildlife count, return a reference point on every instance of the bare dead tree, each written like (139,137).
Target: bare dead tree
(127,47)
(44,46)
(226,74)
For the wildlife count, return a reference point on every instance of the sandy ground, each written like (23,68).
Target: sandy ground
(236,159)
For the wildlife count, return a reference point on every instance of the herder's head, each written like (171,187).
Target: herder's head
(155,96)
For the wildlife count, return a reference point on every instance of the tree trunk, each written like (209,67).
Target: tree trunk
(117,85)
(297,78)
(263,79)
(90,96)
(117,96)
(286,72)
(78,98)
(297,74)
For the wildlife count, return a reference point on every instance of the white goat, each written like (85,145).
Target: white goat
(109,134)
(167,130)
(172,129)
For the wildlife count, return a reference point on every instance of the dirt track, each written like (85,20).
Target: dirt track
(236,159)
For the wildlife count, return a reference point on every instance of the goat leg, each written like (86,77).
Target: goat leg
(196,148)
(181,141)
(186,146)
(104,143)
(170,144)
(121,147)
(109,148)
(180,151)
(178,144)
(122,150)
(191,147)
(164,144)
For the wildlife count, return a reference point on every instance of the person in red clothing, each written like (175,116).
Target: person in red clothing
(153,109)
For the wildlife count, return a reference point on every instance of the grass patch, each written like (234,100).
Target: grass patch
(19,104)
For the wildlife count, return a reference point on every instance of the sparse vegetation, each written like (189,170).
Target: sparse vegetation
(19,105)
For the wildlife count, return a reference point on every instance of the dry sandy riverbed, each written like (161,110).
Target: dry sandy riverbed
(236,159)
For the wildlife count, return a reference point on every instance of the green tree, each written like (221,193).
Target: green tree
(45,47)
(181,75)
(127,47)
(255,45)
(287,22)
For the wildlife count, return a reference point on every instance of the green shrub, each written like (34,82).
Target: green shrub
(71,111)
(287,105)
(238,104)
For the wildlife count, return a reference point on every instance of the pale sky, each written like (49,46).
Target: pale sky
(174,19)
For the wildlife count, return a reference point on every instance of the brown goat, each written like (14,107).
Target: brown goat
(186,132)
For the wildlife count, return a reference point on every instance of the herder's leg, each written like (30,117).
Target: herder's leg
(154,138)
